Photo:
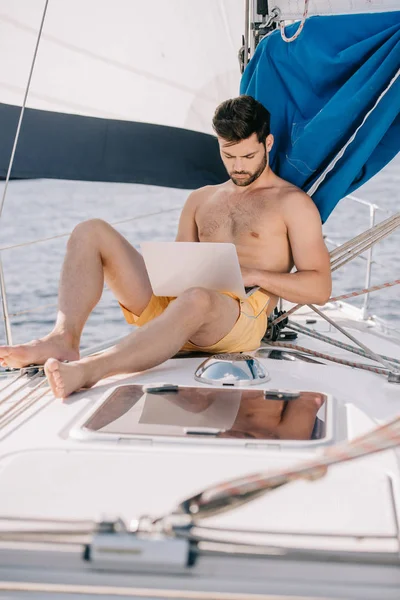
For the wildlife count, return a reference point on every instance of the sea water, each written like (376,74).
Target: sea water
(37,209)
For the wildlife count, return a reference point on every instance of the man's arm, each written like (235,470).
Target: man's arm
(312,282)
(187,229)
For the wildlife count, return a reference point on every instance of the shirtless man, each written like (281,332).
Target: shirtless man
(274,226)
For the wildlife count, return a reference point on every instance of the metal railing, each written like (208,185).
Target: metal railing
(373,208)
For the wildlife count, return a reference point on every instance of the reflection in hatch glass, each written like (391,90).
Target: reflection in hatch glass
(220,413)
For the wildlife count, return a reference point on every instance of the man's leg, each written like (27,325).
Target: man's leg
(96,251)
(201,316)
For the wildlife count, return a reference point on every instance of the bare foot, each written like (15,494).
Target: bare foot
(65,378)
(37,352)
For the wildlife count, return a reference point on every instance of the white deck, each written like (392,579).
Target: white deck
(45,473)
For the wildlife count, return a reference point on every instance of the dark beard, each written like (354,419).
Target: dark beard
(251,176)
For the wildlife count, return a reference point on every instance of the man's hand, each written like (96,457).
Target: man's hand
(311,283)
(251,277)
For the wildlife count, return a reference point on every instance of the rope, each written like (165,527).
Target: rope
(45,306)
(300,27)
(390,367)
(349,295)
(65,234)
(140,593)
(291,311)
(236,492)
(363,246)
(364,235)
(35,309)
(373,288)
(324,338)
(351,249)
(329,241)
(54,237)
(340,361)
(395,369)
(24,403)
(23,384)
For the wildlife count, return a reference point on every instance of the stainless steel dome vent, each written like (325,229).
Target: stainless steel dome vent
(231,370)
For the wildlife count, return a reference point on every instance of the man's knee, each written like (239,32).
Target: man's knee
(91,230)
(198,300)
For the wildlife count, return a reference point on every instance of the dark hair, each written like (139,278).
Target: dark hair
(237,119)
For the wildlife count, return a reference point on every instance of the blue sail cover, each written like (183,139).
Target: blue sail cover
(319,90)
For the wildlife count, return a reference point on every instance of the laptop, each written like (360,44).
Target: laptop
(174,267)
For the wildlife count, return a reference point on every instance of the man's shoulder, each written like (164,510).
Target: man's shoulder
(299,209)
(204,192)
(210,189)
(294,198)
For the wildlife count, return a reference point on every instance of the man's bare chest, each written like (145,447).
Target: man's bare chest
(232,219)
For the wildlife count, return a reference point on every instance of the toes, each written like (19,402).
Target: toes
(59,384)
(52,370)
(51,365)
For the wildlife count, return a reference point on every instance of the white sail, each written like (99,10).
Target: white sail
(166,62)
(294,9)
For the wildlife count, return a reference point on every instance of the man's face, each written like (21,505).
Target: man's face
(246,160)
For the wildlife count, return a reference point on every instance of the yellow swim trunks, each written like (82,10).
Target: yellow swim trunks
(245,335)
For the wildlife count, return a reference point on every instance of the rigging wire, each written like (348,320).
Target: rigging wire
(328,340)
(67,233)
(138,217)
(393,369)
(10,165)
(21,115)
(352,249)
(323,355)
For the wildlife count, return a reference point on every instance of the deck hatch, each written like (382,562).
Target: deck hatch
(217,413)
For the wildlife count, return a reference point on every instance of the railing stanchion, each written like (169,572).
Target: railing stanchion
(7,324)
(369,265)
